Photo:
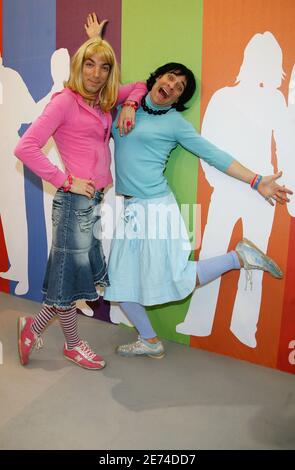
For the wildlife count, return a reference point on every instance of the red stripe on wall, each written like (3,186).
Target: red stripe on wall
(4,285)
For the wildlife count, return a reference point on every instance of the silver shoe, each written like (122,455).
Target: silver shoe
(142,347)
(254,258)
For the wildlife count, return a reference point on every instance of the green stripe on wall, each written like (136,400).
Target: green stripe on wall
(155,32)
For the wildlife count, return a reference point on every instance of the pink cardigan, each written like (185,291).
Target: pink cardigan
(79,135)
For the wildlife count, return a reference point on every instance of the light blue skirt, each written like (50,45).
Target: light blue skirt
(149,260)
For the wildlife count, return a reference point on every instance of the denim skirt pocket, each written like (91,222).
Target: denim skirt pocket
(56,212)
(86,218)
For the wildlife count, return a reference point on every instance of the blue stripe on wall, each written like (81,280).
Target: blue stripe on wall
(29,41)
(29,32)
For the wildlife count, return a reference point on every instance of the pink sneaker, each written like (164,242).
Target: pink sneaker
(83,356)
(27,340)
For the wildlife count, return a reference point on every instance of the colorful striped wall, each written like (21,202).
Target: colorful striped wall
(210,37)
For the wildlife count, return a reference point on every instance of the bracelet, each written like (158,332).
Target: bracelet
(131,104)
(67,188)
(255,181)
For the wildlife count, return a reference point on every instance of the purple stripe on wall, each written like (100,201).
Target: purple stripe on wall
(70,33)
(71,17)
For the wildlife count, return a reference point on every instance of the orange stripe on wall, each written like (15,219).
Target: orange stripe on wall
(228,26)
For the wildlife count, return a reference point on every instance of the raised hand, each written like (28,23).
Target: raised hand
(272,191)
(93,27)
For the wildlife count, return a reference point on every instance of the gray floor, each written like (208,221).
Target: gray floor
(191,399)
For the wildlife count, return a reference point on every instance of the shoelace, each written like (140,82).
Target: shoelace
(131,346)
(84,346)
(39,342)
(249,278)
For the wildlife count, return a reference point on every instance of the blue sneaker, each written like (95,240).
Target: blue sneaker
(141,347)
(254,258)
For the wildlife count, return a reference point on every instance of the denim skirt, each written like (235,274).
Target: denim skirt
(149,261)
(76,262)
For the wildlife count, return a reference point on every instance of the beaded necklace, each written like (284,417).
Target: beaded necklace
(153,111)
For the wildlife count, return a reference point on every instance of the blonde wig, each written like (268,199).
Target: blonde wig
(107,96)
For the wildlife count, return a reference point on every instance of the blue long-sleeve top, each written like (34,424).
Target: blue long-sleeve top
(141,156)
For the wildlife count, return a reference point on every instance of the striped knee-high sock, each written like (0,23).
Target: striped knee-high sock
(68,321)
(41,320)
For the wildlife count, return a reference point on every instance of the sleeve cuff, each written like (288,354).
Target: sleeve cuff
(58,179)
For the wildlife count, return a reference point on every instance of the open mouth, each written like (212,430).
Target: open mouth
(163,92)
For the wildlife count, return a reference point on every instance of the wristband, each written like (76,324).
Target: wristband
(255,182)
(131,104)
(67,188)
